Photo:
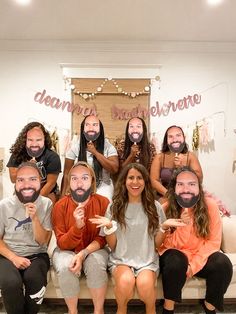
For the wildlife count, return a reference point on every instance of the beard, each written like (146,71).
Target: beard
(187,202)
(178,149)
(80,198)
(35,153)
(27,199)
(91,136)
(135,137)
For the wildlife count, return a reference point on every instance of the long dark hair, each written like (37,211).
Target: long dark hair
(165,147)
(99,147)
(145,155)
(201,217)
(120,198)
(18,149)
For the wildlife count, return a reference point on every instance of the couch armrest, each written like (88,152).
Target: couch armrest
(228,244)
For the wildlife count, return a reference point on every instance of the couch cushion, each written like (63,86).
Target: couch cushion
(229,234)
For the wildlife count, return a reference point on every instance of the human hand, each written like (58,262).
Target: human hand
(21,262)
(173,222)
(30,210)
(101,221)
(79,216)
(75,265)
(91,148)
(178,160)
(134,151)
(186,218)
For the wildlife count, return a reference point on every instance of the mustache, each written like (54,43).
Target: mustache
(176,142)
(80,189)
(187,193)
(27,189)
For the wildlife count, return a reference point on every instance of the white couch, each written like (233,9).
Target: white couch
(194,287)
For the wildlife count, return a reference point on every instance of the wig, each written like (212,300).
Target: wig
(99,147)
(200,210)
(18,149)
(144,145)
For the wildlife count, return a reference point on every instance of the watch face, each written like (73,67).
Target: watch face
(91,136)
(176,147)
(187,200)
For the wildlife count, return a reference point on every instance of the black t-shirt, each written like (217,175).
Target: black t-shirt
(48,162)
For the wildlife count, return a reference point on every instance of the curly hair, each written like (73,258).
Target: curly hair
(165,147)
(99,147)
(18,149)
(200,210)
(145,154)
(120,198)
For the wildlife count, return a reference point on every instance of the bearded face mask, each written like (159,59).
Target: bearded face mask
(189,200)
(35,153)
(176,147)
(27,195)
(81,195)
(135,130)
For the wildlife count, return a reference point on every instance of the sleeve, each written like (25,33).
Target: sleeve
(161,213)
(108,215)
(110,149)
(47,224)
(100,237)
(12,163)
(212,244)
(73,151)
(53,163)
(66,239)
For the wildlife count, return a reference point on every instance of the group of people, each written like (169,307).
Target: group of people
(157,201)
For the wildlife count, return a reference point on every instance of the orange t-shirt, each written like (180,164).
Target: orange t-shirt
(68,235)
(195,248)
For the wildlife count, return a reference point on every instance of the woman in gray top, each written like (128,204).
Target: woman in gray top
(133,229)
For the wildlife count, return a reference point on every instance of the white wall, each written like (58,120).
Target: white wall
(208,69)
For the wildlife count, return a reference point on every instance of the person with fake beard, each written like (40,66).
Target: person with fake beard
(34,144)
(174,154)
(25,230)
(136,146)
(194,249)
(80,247)
(97,151)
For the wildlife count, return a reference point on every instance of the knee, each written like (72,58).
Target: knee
(218,262)
(175,263)
(12,285)
(61,261)
(125,282)
(96,260)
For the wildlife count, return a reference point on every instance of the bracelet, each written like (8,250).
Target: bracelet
(112,229)
(163,230)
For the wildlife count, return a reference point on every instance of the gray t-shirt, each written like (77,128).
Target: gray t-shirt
(109,150)
(134,246)
(16,230)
